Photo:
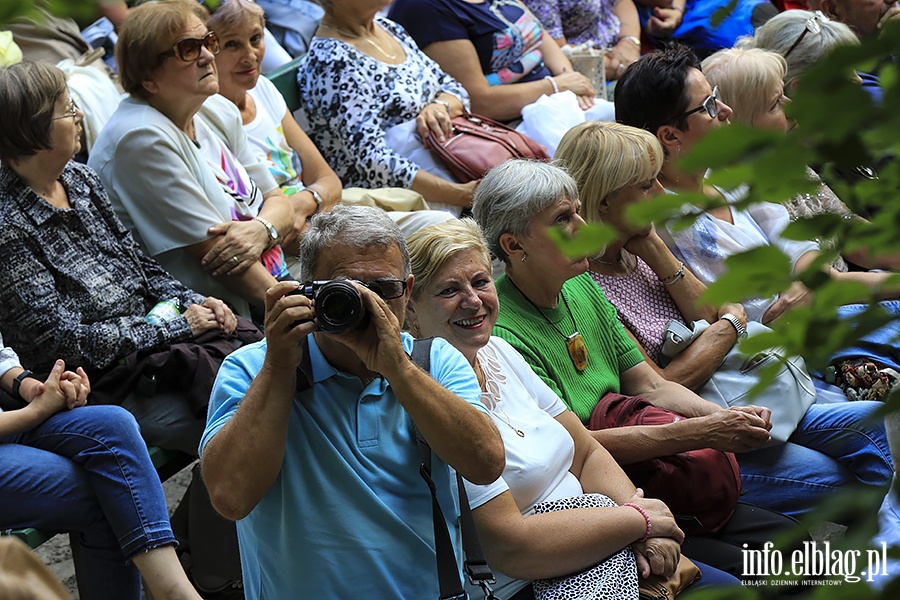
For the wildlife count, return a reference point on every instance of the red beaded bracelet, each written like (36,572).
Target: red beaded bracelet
(646,518)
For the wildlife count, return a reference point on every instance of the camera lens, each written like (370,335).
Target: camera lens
(339,307)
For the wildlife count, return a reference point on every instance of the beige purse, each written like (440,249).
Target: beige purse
(391,198)
(657,587)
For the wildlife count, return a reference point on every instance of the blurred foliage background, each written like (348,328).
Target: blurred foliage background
(83,11)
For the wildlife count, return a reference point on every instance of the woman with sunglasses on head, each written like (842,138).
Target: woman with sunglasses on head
(805,38)
(178,167)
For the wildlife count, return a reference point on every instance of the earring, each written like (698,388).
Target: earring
(524,256)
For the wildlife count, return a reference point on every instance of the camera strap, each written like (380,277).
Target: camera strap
(474,564)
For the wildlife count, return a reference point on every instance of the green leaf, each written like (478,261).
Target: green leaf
(726,145)
(757,273)
(722,12)
(588,241)
(661,209)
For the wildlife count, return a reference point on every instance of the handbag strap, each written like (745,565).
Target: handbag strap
(474,563)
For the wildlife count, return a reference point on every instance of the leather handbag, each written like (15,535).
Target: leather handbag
(479,144)
(788,395)
(657,587)
(701,487)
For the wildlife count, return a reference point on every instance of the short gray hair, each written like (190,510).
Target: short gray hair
(512,193)
(780,32)
(360,227)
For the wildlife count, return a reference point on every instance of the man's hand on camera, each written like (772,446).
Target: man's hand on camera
(378,345)
(289,319)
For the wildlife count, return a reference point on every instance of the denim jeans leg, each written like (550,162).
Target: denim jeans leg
(105,442)
(853,434)
(879,345)
(789,478)
(711,577)
(48,491)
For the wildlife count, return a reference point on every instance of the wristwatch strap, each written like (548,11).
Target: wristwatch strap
(17,382)
(273,233)
(736,323)
(317,196)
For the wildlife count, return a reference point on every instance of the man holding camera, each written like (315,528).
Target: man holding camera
(310,442)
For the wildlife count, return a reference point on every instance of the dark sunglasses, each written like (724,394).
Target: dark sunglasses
(188,49)
(387,289)
(710,105)
(813,25)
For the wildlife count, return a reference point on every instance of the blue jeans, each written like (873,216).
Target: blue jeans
(879,345)
(834,445)
(711,577)
(87,471)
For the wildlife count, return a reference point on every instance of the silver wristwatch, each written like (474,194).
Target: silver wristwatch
(736,323)
(273,233)
(316,196)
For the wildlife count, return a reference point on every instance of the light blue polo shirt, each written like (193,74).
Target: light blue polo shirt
(349,516)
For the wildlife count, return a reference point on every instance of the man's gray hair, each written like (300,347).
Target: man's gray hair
(780,32)
(360,227)
(512,193)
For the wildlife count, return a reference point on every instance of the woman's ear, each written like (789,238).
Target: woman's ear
(603,207)
(511,247)
(150,86)
(412,321)
(831,9)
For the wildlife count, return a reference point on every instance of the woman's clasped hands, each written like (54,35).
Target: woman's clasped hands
(660,552)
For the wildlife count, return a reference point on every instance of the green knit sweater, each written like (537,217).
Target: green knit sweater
(610,350)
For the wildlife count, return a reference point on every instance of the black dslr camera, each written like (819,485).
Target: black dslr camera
(339,306)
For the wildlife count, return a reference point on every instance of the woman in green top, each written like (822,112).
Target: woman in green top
(553,313)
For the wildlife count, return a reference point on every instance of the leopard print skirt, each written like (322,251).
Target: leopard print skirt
(615,578)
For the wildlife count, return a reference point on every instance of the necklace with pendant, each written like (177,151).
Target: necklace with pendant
(353,36)
(574,343)
(507,420)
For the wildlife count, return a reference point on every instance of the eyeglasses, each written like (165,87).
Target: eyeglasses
(710,105)
(813,25)
(188,49)
(387,289)
(71,111)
